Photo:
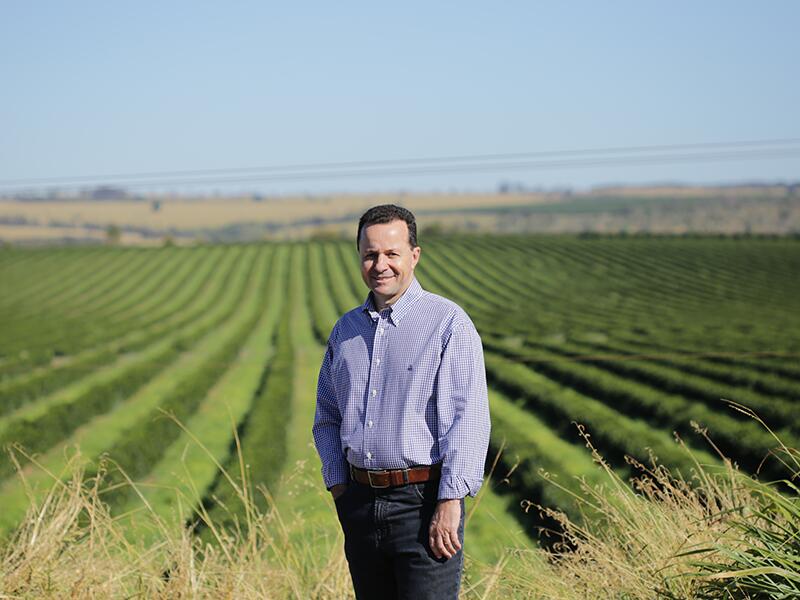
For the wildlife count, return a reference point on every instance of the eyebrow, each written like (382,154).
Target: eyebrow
(372,250)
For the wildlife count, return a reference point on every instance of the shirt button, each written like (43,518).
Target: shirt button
(369,455)
(377,361)
(374,393)
(369,423)
(380,330)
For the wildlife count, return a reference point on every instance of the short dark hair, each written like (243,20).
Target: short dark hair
(386,213)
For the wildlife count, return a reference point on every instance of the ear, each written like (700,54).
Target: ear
(415,252)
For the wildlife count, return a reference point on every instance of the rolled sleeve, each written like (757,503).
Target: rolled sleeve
(327,423)
(463,413)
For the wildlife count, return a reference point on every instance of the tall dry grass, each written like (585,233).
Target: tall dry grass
(71,546)
(715,533)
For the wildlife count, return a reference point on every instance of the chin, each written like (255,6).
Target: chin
(384,290)
(384,285)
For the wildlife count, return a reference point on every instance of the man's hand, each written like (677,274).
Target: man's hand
(443,532)
(337,490)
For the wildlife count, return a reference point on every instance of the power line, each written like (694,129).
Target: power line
(400,161)
(631,155)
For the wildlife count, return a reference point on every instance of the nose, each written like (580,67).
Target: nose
(381,262)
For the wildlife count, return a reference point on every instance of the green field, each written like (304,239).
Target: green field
(633,338)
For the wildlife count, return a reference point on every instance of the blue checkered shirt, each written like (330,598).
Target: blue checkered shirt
(402,387)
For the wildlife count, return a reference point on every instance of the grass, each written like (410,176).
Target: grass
(760,556)
(226,402)
(667,537)
(717,534)
(71,546)
(102,431)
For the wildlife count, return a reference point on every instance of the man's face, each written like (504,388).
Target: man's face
(387,260)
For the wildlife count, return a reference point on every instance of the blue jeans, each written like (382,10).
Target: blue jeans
(386,543)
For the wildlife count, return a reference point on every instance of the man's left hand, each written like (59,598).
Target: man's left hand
(443,532)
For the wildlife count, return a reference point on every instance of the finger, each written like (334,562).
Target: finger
(451,536)
(432,542)
(454,541)
(441,546)
(443,543)
(447,544)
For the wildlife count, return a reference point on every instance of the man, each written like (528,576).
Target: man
(402,421)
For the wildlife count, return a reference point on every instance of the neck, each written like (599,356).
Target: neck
(382,304)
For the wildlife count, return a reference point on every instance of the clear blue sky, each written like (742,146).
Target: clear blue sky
(112,87)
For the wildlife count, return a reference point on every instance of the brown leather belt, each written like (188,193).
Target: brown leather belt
(393,477)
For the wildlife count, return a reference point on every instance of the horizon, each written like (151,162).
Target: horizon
(111,193)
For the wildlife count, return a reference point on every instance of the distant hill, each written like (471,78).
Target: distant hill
(663,209)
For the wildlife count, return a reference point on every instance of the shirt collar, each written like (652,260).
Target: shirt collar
(399,308)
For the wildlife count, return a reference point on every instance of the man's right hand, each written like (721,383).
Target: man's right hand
(337,490)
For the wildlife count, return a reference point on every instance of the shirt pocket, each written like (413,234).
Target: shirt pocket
(398,387)
(414,388)
(411,375)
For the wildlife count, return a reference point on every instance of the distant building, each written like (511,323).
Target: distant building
(107,192)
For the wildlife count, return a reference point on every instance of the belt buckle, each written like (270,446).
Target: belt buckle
(406,476)
(375,485)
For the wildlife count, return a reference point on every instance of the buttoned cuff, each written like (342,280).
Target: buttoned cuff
(452,487)
(335,473)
